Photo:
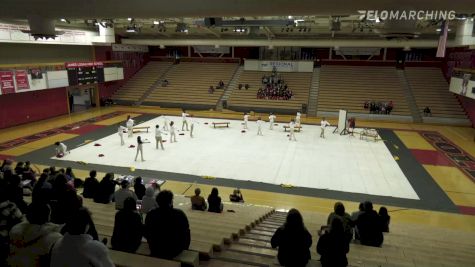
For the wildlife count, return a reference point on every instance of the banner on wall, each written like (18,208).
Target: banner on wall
(462,82)
(7,85)
(21,78)
(278,65)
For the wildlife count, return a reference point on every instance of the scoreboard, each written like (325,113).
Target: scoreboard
(81,73)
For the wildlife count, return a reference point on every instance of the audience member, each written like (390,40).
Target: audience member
(128,228)
(19,168)
(10,215)
(198,202)
(293,240)
(6,165)
(105,190)
(122,194)
(91,185)
(167,229)
(339,212)
(64,201)
(427,112)
(370,227)
(15,190)
(354,218)
(385,219)
(42,189)
(236,196)
(214,201)
(211,90)
(32,240)
(334,245)
(78,249)
(221,84)
(139,188)
(148,201)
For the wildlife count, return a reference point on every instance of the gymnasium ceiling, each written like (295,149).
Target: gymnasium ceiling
(308,19)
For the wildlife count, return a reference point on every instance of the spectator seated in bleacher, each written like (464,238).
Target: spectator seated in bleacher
(91,185)
(122,194)
(334,245)
(236,196)
(198,202)
(427,112)
(77,248)
(370,227)
(10,215)
(32,240)
(148,201)
(211,90)
(385,219)
(220,85)
(167,229)
(293,241)
(139,188)
(380,107)
(354,217)
(105,190)
(246,86)
(339,212)
(6,165)
(240,86)
(42,189)
(64,201)
(275,88)
(106,101)
(128,228)
(214,201)
(165,83)
(14,190)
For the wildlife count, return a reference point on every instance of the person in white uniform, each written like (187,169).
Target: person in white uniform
(185,120)
(292,131)
(297,119)
(158,137)
(139,148)
(61,149)
(323,124)
(259,126)
(130,126)
(172,132)
(166,122)
(192,126)
(272,118)
(120,131)
(246,119)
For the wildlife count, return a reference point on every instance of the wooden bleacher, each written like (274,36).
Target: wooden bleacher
(348,87)
(135,88)
(298,82)
(430,88)
(189,83)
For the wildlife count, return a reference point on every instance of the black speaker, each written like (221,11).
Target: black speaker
(225,104)
(304,108)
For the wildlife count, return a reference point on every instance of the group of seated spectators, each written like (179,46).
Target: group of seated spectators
(274,87)
(220,85)
(214,203)
(379,107)
(365,226)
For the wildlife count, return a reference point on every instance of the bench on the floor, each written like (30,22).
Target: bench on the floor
(220,124)
(369,133)
(139,129)
(123,259)
(297,128)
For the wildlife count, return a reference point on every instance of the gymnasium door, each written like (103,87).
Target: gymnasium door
(81,98)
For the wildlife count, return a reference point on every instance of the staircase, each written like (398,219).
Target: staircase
(313,95)
(154,85)
(228,90)
(415,111)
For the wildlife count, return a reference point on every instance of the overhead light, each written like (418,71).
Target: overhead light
(65,20)
(155,22)
(129,19)
(290,17)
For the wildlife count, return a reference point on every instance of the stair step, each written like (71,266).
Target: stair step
(260,227)
(254,243)
(222,263)
(263,252)
(244,258)
(258,237)
(265,233)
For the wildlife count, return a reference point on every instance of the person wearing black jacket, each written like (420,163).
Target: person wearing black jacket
(91,184)
(167,229)
(334,245)
(370,227)
(293,240)
(128,228)
(139,188)
(214,201)
(105,190)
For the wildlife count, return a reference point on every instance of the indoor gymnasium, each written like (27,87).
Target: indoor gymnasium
(237,133)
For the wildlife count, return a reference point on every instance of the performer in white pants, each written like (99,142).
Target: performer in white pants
(192,126)
(272,118)
(61,149)
(165,125)
(120,131)
(246,119)
(130,126)
(259,126)
(323,124)
(185,120)
(139,148)
(158,137)
(172,132)
(292,131)
(297,119)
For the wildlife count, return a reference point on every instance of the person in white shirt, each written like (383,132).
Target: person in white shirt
(192,126)
(323,124)
(165,125)
(172,132)
(130,126)
(297,119)
(185,120)
(120,131)
(272,118)
(246,119)
(139,148)
(158,137)
(259,126)
(292,131)
(61,149)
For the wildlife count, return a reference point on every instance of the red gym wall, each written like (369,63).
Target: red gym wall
(33,106)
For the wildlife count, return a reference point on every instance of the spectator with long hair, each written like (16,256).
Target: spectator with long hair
(105,190)
(139,188)
(91,185)
(128,228)
(334,245)
(214,201)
